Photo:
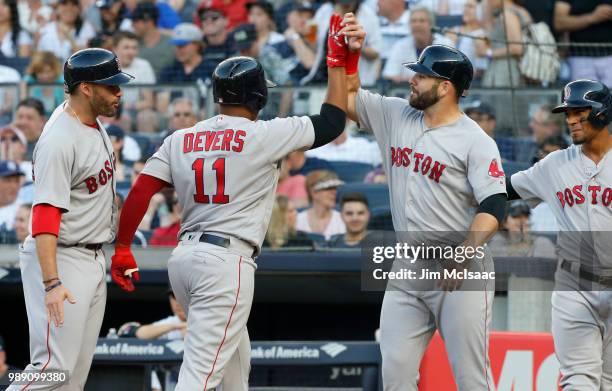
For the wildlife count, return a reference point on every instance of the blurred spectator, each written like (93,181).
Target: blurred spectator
(139,238)
(10,182)
(514,238)
(463,37)
(15,41)
(394,23)
(154,46)
(68,33)
(282,229)
(172,327)
(484,115)
(377,175)
(182,114)
(542,218)
(292,186)
(113,16)
(369,62)
(355,213)
(30,119)
(218,44)
(234,9)
(102,40)
(116,135)
(449,7)
(541,11)
(408,49)
(22,222)
(131,149)
(167,233)
(587,21)
(300,164)
(542,124)
(321,218)
(33,15)
(45,68)
(4,367)
(125,46)
(245,40)
(189,65)
(14,146)
(137,168)
(300,38)
(508,25)
(348,148)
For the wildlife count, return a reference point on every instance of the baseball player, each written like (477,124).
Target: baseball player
(444,174)
(225,170)
(72,216)
(577,185)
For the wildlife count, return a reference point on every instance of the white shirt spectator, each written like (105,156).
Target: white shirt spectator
(7,215)
(9,75)
(174,334)
(468,47)
(392,32)
(29,24)
(404,51)
(354,149)
(7,47)
(131,149)
(143,73)
(335,227)
(50,41)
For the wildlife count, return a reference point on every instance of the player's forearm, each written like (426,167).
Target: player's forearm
(46,249)
(136,206)
(482,229)
(152,331)
(353,85)
(336,88)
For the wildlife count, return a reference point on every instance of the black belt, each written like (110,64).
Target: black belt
(216,240)
(586,274)
(89,246)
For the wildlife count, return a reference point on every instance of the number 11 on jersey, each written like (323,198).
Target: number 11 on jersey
(219,167)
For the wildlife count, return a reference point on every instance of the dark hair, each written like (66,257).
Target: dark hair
(32,103)
(119,35)
(354,197)
(15,26)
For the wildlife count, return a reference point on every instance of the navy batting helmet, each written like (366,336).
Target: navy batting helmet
(241,81)
(447,63)
(588,93)
(93,65)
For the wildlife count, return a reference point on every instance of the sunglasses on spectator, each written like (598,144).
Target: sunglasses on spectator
(183,114)
(14,139)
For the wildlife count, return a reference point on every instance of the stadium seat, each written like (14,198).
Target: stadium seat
(380,219)
(449,20)
(377,194)
(351,171)
(510,167)
(317,239)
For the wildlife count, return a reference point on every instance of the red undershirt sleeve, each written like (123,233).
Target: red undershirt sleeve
(46,219)
(136,206)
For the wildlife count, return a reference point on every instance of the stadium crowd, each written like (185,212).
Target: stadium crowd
(328,197)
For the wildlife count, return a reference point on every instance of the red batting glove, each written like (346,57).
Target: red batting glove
(124,268)
(337,46)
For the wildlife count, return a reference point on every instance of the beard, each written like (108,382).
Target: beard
(101,106)
(423,100)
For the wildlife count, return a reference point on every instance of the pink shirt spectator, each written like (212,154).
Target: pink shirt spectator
(294,188)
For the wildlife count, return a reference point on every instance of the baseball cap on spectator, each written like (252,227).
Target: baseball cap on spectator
(146,11)
(105,4)
(479,107)
(9,168)
(185,33)
(266,7)
(17,135)
(519,208)
(302,6)
(212,6)
(115,131)
(244,36)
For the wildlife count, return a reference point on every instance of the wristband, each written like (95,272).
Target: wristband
(53,286)
(50,279)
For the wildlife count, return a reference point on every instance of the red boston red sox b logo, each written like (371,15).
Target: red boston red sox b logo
(494,170)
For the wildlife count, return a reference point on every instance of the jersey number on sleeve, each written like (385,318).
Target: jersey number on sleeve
(219,167)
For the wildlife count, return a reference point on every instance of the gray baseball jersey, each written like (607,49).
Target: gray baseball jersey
(579,192)
(73,170)
(225,171)
(437,177)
